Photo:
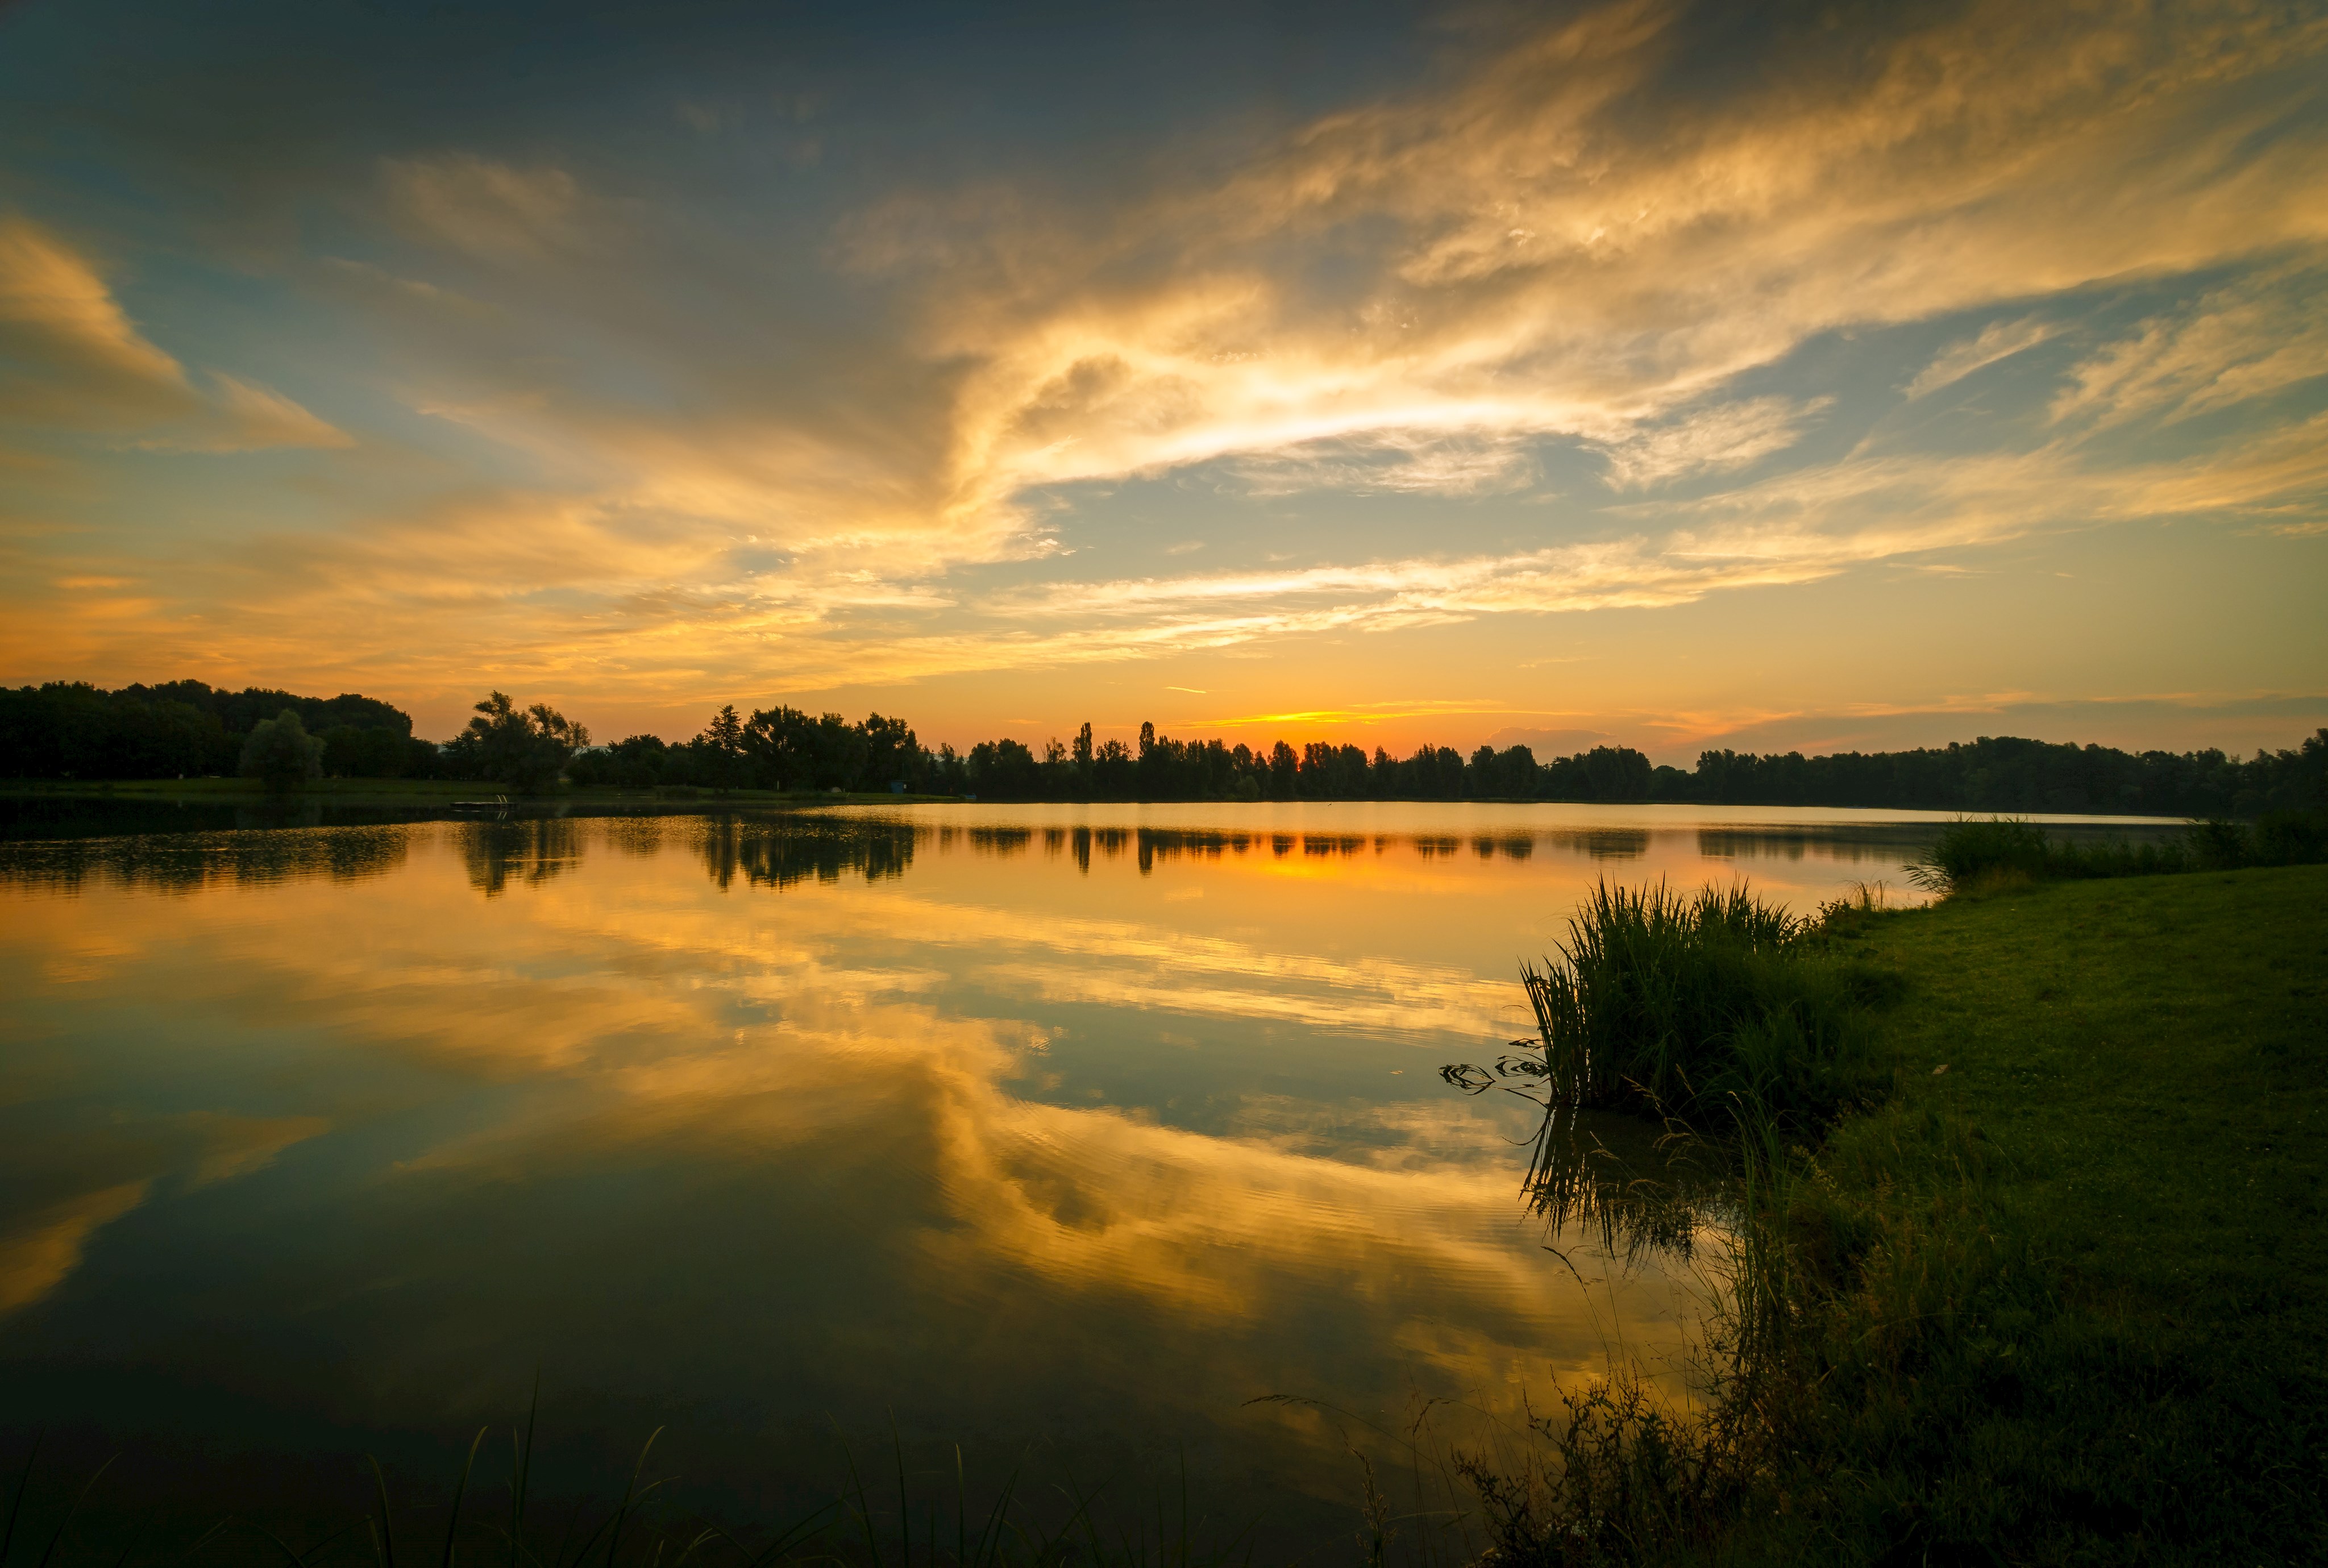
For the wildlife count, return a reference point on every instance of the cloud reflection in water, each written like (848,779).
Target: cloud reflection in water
(777,1117)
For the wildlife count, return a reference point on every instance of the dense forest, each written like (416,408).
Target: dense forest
(186,728)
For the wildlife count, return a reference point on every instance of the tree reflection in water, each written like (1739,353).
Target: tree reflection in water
(527,850)
(778,852)
(187,862)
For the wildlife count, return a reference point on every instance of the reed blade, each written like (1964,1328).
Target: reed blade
(461,1490)
(55,1540)
(17,1504)
(386,1525)
(521,1472)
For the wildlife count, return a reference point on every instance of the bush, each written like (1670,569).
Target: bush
(2290,839)
(1970,849)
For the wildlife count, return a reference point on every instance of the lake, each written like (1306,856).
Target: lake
(1056,1134)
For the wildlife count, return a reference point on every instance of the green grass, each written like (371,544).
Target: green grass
(2067,1299)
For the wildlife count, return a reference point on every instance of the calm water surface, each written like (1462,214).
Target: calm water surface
(1082,1126)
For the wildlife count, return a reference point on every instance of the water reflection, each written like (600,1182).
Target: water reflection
(1004,1167)
(742,1122)
(188,863)
(1856,845)
(1640,1189)
(782,852)
(779,849)
(527,852)
(1148,846)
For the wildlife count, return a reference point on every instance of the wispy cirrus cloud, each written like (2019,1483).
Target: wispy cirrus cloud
(1727,436)
(1997,341)
(567,593)
(1539,261)
(487,209)
(2232,345)
(1549,265)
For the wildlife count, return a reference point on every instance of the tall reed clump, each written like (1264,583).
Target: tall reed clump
(1749,1030)
(1686,1004)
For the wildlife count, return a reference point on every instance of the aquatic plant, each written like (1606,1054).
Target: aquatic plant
(1689,1006)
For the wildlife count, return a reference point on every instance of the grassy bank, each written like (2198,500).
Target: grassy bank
(2069,1298)
(2057,1297)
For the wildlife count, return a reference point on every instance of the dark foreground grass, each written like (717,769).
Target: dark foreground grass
(2062,1297)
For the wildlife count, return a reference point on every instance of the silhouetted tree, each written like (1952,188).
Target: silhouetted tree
(76,730)
(525,748)
(1283,770)
(282,752)
(720,758)
(636,762)
(72,729)
(892,756)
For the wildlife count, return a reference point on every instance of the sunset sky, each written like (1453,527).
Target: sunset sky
(1835,376)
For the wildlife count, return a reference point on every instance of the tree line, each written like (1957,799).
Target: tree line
(186,728)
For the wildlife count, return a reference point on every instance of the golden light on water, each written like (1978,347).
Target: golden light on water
(944,1071)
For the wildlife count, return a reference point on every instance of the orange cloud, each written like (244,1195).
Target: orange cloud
(68,351)
(70,358)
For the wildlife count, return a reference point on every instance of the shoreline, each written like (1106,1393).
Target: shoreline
(446,792)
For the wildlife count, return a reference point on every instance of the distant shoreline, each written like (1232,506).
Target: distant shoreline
(446,793)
